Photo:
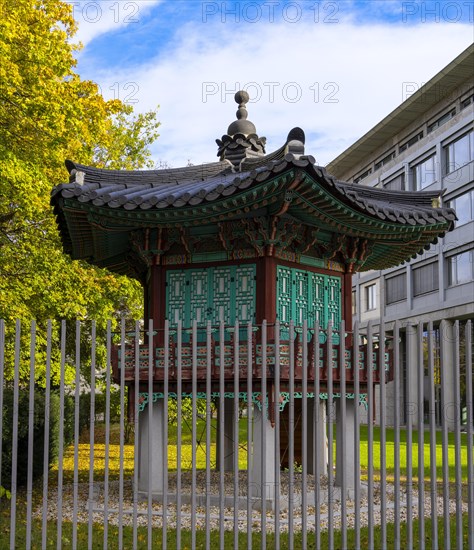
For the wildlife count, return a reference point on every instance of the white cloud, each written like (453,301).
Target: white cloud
(335,81)
(97,17)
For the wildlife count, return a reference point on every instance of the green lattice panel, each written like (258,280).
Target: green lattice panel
(222,295)
(301,296)
(176,297)
(284,294)
(245,293)
(305,296)
(199,296)
(334,301)
(318,293)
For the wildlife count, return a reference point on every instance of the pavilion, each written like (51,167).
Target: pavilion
(251,238)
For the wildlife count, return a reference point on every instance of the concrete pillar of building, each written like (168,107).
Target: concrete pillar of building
(345,432)
(150,465)
(263,457)
(448,414)
(317,437)
(413,408)
(228,425)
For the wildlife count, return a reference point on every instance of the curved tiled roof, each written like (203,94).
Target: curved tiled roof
(98,210)
(191,186)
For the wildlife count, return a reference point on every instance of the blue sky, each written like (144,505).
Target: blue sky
(335,68)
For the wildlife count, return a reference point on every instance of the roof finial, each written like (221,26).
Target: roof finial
(242,98)
(241,125)
(241,141)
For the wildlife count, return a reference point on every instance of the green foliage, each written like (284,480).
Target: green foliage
(48,114)
(187,411)
(38,435)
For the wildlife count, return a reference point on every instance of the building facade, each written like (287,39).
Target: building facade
(426,144)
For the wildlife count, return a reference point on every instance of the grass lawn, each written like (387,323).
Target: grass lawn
(186,453)
(390,454)
(142,537)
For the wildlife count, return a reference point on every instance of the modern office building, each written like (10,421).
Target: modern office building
(426,144)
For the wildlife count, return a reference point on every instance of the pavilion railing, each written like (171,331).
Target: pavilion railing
(229,346)
(314,454)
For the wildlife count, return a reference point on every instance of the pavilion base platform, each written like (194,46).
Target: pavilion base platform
(263,459)
(256,503)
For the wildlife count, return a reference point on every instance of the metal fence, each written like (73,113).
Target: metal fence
(263,436)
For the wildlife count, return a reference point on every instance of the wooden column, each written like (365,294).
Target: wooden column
(266,290)
(157,301)
(347,308)
(347,301)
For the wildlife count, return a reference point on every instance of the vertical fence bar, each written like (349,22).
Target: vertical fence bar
(165,432)
(236,432)
(409,443)
(421,439)
(341,423)
(107,430)
(263,512)
(291,439)
(92,437)
(330,407)
(47,405)
(2,370)
(432,419)
(220,435)
(277,435)
(250,366)
(76,433)
(318,433)
(445,341)
(16,383)
(457,437)
(122,433)
(383,438)
(208,433)
(356,364)
(370,430)
(179,411)
(193,432)
(396,442)
(61,437)
(136,413)
(469,428)
(31,412)
(304,437)
(150,436)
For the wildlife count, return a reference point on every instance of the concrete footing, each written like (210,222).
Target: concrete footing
(152,449)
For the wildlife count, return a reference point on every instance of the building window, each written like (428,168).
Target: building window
(441,120)
(384,161)
(396,288)
(459,152)
(354,302)
(425,279)
(467,101)
(395,184)
(410,142)
(424,173)
(363,175)
(461,268)
(371,297)
(464,206)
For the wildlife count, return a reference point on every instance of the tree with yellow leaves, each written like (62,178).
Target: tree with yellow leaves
(48,114)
